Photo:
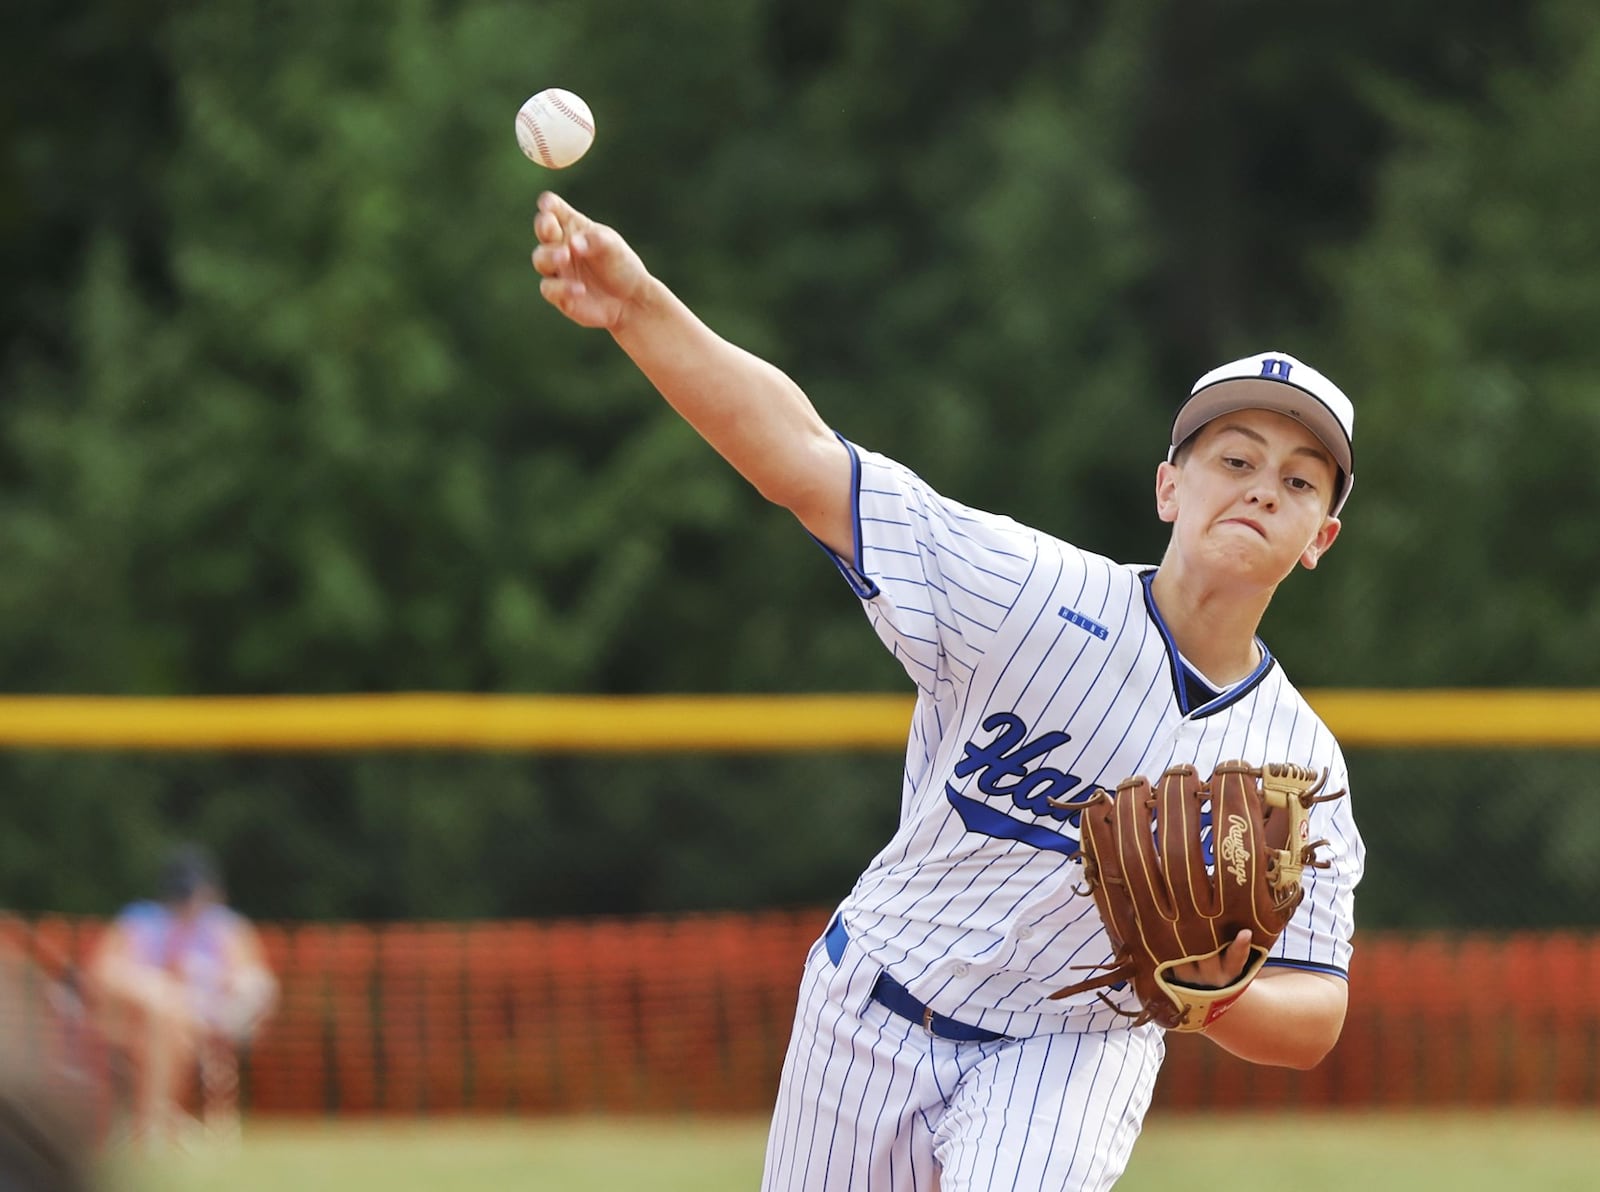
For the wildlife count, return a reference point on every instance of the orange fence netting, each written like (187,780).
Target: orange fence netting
(692,1013)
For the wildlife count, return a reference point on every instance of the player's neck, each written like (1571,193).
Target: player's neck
(1214,629)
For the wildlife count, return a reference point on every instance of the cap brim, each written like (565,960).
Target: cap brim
(1254,393)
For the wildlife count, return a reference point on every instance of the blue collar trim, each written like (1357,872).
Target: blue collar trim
(1184,678)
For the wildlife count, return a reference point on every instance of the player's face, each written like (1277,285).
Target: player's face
(1250,497)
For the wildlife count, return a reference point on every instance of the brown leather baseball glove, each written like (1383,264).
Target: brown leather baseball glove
(1166,903)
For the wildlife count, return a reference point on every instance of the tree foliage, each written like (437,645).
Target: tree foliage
(284,412)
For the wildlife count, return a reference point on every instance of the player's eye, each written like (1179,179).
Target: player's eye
(1234,463)
(1301,484)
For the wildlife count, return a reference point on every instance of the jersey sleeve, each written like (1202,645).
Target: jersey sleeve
(936,577)
(1318,937)
(145,926)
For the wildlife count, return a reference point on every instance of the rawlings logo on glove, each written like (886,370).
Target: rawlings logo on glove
(1164,906)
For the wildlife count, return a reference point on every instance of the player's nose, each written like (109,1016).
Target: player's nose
(1262,493)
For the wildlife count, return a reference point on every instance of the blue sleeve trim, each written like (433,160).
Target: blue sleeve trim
(1309,967)
(142,912)
(853,569)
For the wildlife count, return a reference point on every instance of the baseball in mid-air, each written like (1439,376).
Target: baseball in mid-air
(555,128)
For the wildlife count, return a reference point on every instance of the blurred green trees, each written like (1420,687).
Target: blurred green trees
(283,411)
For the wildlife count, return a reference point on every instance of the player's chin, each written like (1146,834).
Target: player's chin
(1249,559)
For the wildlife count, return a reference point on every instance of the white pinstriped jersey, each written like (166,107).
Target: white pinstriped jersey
(1043,672)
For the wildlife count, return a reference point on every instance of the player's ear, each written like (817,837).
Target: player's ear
(1320,544)
(1167,491)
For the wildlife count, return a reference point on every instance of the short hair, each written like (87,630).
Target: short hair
(187,870)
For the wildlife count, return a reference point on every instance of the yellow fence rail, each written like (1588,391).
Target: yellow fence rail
(1513,719)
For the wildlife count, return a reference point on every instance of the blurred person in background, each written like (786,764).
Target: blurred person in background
(179,984)
(46,1140)
(46,1121)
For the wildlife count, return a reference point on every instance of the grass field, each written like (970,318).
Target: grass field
(1363,1153)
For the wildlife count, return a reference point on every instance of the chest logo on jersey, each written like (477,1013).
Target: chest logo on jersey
(1002,765)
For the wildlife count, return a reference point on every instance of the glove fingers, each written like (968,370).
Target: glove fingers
(1239,842)
(1103,867)
(1183,859)
(1136,841)
(1168,900)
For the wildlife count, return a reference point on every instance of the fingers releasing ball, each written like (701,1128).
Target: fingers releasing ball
(555,128)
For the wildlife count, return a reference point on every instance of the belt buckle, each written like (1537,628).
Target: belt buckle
(927,1019)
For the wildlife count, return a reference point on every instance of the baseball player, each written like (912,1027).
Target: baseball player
(927,1050)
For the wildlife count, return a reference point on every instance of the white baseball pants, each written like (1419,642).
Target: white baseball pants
(872,1102)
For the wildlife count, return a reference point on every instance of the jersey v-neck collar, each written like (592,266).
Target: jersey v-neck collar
(1196,697)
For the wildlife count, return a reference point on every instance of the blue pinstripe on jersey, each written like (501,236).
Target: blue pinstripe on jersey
(974,904)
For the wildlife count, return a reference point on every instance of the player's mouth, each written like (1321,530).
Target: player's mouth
(1247,522)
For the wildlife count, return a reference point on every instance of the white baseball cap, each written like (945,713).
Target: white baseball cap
(1276,381)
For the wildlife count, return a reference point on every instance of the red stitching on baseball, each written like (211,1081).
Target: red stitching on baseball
(532,126)
(560,105)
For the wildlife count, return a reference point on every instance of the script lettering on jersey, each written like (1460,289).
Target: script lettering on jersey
(1002,766)
(1007,757)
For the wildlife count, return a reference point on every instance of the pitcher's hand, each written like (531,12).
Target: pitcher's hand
(587,270)
(1219,971)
